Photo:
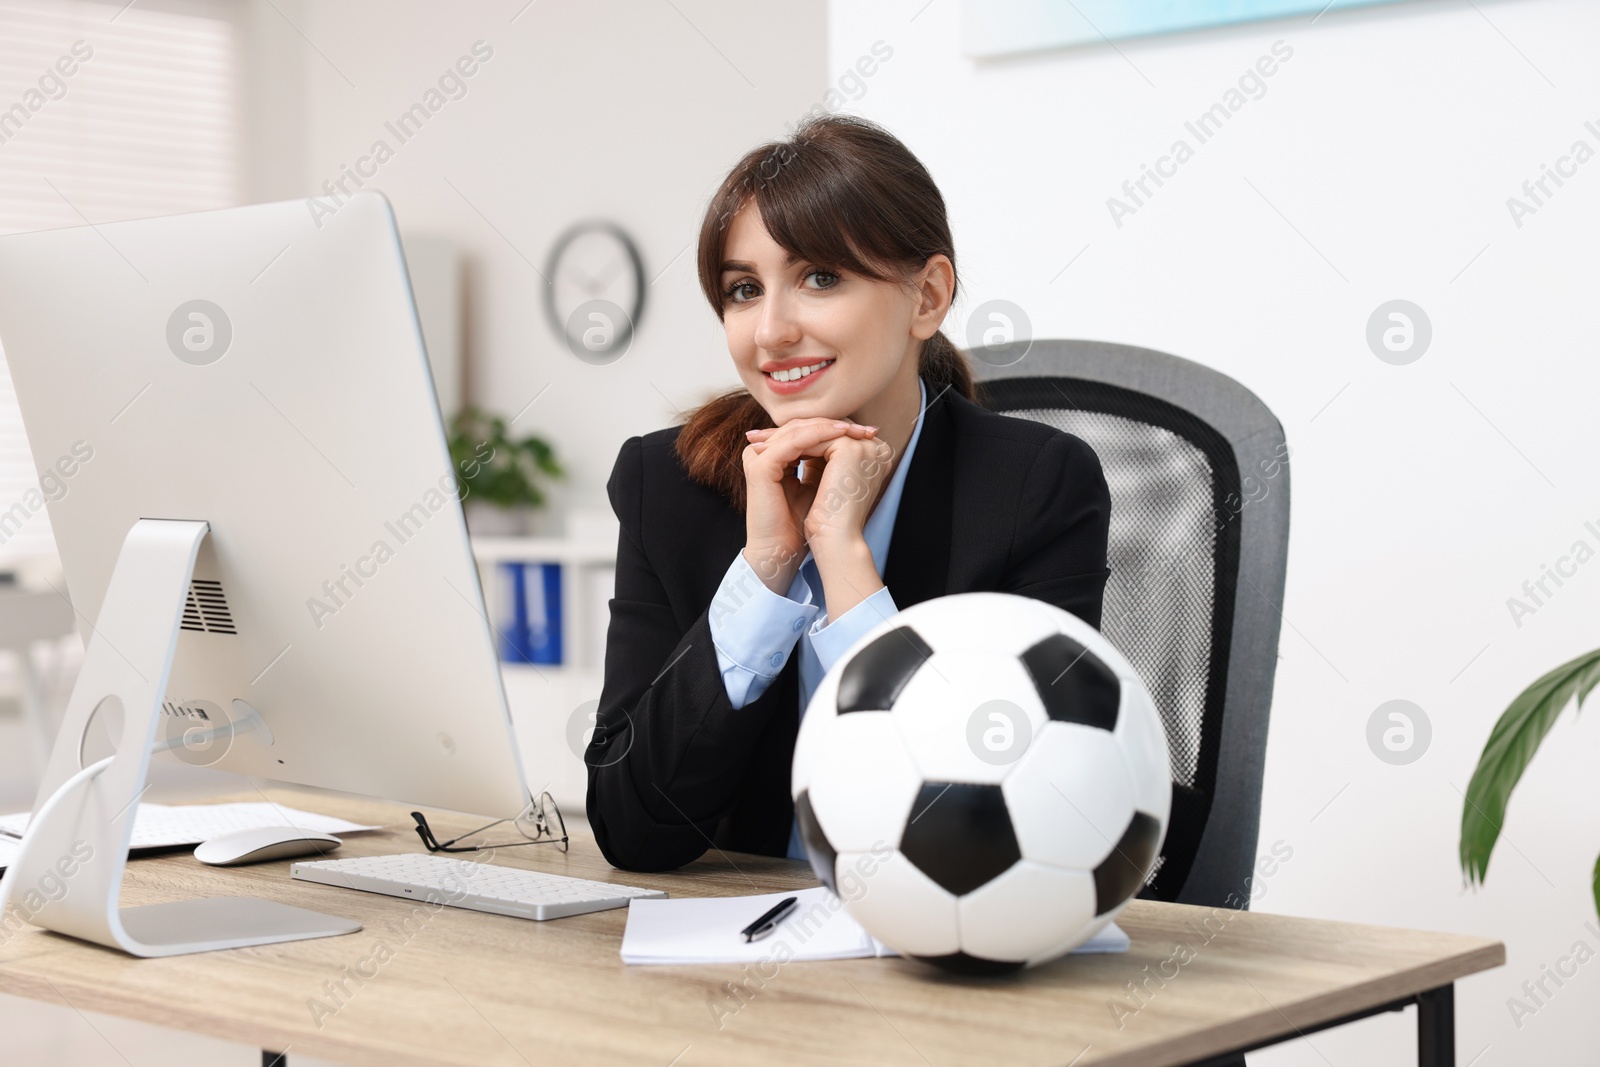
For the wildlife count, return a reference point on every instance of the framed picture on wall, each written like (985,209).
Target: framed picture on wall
(1001,27)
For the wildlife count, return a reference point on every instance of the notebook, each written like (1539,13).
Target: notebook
(706,930)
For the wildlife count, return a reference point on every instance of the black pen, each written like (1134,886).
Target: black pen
(768,922)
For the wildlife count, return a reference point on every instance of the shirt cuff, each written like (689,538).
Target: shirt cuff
(751,625)
(832,639)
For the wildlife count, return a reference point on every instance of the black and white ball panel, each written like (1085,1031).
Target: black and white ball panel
(965,964)
(1143,740)
(1073,796)
(1056,899)
(960,835)
(902,907)
(1075,684)
(935,707)
(814,737)
(994,623)
(1119,876)
(818,848)
(865,747)
(875,676)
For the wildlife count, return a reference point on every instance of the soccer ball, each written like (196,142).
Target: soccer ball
(983,780)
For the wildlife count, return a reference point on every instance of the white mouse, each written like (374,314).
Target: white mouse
(264,843)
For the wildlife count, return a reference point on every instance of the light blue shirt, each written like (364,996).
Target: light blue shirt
(755,630)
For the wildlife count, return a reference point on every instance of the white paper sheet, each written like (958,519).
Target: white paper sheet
(169,826)
(706,930)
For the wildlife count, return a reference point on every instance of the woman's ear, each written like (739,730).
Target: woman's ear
(934,288)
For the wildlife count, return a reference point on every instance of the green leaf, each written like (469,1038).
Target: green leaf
(495,468)
(1510,748)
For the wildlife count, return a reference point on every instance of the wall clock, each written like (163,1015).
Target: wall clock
(596,290)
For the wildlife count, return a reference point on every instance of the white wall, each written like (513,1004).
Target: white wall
(1376,165)
(628,110)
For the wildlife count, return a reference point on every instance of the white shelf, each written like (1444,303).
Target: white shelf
(584,673)
(545,698)
(544,550)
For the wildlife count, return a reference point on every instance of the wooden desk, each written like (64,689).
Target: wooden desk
(459,987)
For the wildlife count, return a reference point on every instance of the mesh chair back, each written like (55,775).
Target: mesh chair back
(1182,448)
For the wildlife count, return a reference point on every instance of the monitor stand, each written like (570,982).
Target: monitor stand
(70,877)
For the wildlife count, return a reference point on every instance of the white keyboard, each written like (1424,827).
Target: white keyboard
(472,885)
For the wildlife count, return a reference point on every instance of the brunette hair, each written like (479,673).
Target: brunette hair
(842,193)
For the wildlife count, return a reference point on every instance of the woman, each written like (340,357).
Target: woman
(854,475)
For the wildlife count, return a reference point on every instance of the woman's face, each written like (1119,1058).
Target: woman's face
(835,340)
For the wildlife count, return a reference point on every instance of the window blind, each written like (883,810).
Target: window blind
(107,112)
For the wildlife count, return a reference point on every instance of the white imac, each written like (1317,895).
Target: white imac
(261,536)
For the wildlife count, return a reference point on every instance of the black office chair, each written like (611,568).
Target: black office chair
(1199,478)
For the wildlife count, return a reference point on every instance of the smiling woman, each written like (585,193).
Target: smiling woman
(844,224)
(853,475)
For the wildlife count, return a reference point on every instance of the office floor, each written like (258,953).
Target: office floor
(57,1035)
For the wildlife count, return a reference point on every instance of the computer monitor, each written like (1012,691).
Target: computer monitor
(257,515)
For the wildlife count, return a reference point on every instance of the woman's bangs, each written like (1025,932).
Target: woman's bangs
(804,217)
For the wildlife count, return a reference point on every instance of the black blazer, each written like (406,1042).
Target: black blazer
(991,503)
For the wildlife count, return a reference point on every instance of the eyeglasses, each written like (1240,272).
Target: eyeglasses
(540,823)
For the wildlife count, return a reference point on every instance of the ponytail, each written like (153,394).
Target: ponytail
(944,366)
(711,444)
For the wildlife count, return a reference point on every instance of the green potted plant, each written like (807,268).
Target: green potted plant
(499,475)
(1510,749)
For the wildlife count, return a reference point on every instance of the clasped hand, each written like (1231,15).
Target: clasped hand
(846,467)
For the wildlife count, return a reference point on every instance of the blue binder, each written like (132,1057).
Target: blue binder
(532,634)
